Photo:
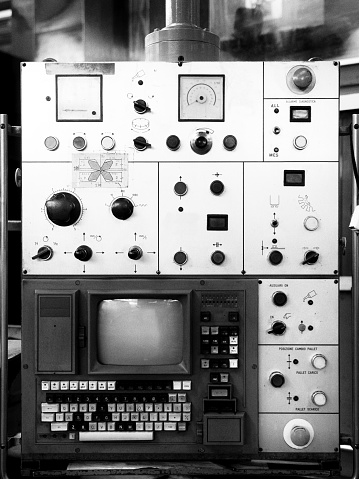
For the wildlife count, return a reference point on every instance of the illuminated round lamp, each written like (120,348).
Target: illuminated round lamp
(298,433)
(301,79)
(51,143)
(79,143)
(300,142)
(107,142)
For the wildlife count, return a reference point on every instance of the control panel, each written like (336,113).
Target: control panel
(180,260)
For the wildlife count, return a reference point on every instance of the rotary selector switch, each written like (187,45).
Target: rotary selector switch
(310,257)
(135,252)
(44,253)
(278,328)
(201,143)
(63,209)
(276,379)
(83,253)
(122,208)
(140,143)
(141,106)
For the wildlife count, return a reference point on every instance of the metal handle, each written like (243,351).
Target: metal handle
(4,290)
(355,301)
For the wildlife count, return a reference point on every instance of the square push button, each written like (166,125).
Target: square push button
(217,222)
(233,316)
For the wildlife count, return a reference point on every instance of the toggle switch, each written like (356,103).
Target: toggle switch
(135,252)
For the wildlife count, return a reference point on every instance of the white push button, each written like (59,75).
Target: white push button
(300,142)
(311,223)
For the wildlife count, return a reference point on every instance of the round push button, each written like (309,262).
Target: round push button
(300,142)
(218,257)
(180,188)
(319,361)
(275,257)
(180,258)
(300,436)
(311,223)
(302,78)
(107,142)
(319,398)
(79,143)
(277,379)
(279,298)
(51,143)
(173,142)
(230,142)
(217,187)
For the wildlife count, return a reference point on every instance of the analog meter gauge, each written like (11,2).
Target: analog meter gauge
(201,97)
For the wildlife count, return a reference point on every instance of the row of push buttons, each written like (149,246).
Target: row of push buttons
(79,142)
(114,385)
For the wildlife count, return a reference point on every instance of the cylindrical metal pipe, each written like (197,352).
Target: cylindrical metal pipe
(182,11)
(3,290)
(355,305)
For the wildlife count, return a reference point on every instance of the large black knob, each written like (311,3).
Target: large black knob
(122,208)
(83,253)
(63,209)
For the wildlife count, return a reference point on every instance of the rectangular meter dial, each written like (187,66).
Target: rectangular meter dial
(201,97)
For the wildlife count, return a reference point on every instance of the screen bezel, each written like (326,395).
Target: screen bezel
(95,298)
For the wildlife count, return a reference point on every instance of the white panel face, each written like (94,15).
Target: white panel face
(325,429)
(291,228)
(297,311)
(109,238)
(301,129)
(304,388)
(205,226)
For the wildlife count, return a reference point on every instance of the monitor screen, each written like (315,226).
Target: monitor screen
(140,332)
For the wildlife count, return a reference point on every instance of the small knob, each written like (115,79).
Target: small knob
(140,143)
(201,143)
(63,209)
(319,398)
(135,252)
(180,188)
(173,142)
(274,223)
(302,78)
(141,106)
(319,361)
(300,436)
(83,253)
(277,379)
(310,257)
(279,298)
(180,258)
(278,328)
(45,253)
(311,223)
(218,257)
(275,257)
(230,142)
(217,187)
(122,208)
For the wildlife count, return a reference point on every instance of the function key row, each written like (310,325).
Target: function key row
(115,398)
(116,385)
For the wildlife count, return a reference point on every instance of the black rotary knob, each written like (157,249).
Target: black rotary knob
(122,208)
(216,187)
(311,257)
(201,142)
(141,106)
(278,328)
(140,143)
(63,209)
(45,253)
(83,253)
(135,252)
(275,257)
(279,298)
(218,257)
(277,379)
(180,258)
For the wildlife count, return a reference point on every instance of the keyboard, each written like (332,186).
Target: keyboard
(120,412)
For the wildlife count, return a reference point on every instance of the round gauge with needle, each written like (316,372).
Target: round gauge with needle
(201,97)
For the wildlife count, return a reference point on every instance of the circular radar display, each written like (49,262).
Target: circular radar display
(201,98)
